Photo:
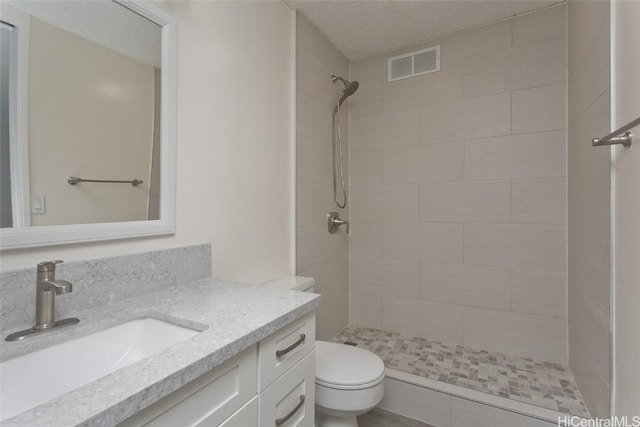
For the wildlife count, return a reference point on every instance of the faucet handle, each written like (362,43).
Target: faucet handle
(334,222)
(46,266)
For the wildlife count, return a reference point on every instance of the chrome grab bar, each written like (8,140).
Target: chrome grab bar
(73,180)
(613,139)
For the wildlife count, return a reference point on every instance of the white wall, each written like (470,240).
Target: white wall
(626,97)
(234,180)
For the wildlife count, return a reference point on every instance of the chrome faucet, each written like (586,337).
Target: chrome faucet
(47,287)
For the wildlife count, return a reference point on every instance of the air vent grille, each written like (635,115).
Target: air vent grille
(414,64)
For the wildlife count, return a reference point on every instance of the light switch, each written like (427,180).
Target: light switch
(38,204)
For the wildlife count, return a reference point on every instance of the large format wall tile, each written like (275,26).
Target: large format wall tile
(438,321)
(423,241)
(537,337)
(310,39)
(365,238)
(317,247)
(477,201)
(539,200)
(476,285)
(539,109)
(471,43)
(465,119)
(426,163)
(528,65)
(384,276)
(367,99)
(313,162)
(516,156)
(366,167)
(539,292)
(314,77)
(365,308)
(386,202)
(536,246)
(332,282)
(384,130)
(477,151)
(538,26)
(588,184)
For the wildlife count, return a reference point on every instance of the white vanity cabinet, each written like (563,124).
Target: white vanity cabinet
(286,375)
(270,384)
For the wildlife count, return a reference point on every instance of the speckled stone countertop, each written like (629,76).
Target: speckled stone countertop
(232,316)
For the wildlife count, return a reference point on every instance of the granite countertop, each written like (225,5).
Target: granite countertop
(232,316)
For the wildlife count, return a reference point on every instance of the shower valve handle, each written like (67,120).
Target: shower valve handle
(334,222)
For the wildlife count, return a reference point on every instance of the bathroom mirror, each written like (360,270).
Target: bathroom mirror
(88,121)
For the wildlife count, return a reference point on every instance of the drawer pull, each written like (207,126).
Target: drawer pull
(281,353)
(284,419)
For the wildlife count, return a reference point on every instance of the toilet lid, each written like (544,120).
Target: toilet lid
(345,366)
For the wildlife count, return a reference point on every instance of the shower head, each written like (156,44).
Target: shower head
(349,89)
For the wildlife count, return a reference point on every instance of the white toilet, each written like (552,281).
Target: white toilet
(349,380)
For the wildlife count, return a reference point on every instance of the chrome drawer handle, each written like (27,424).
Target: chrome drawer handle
(284,419)
(281,353)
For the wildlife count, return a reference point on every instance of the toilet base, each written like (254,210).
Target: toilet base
(325,420)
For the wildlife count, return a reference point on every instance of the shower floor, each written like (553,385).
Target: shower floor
(544,384)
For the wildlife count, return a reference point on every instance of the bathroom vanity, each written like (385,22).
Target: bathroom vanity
(268,384)
(251,358)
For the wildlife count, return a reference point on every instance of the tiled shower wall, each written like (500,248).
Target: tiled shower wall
(458,191)
(319,254)
(589,200)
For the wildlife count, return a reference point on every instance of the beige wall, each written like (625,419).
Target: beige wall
(589,101)
(90,115)
(458,192)
(320,255)
(234,144)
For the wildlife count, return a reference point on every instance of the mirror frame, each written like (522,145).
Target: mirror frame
(16,238)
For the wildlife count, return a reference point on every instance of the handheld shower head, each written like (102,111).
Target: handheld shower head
(336,141)
(349,88)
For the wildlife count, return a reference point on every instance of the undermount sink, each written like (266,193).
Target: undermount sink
(34,378)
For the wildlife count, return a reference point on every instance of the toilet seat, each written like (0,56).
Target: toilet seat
(345,367)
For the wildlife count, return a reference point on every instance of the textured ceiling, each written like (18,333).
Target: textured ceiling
(365,28)
(104,22)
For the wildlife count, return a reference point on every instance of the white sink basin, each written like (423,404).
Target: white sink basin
(34,378)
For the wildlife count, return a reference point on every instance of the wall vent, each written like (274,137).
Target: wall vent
(414,64)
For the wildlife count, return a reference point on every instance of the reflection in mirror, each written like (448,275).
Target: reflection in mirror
(93,111)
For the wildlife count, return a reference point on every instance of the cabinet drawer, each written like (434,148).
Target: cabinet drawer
(284,348)
(247,416)
(290,401)
(208,400)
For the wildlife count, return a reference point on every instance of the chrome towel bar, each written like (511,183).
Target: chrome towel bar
(73,180)
(613,139)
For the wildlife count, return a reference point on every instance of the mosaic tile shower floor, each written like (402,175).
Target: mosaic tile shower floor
(549,385)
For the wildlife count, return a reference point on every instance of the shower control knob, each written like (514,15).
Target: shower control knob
(334,222)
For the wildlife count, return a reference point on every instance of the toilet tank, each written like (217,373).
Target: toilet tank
(294,283)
